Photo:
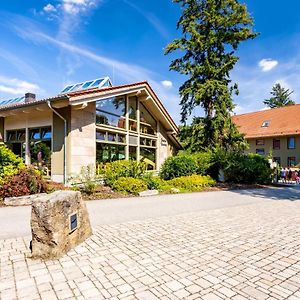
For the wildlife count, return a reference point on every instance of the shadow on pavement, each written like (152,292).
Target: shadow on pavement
(289,192)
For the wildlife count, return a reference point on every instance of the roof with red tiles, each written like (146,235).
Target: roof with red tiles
(281,121)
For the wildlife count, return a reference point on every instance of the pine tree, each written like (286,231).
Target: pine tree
(211,33)
(280,97)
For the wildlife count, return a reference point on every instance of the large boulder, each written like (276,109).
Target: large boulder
(59,222)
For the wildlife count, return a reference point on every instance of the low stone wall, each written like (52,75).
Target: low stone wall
(23,200)
(59,222)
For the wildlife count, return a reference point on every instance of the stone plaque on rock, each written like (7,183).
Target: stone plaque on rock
(59,222)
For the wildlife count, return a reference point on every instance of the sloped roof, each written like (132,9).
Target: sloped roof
(282,121)
(102,90)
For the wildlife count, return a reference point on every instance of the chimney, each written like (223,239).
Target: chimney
(29,97)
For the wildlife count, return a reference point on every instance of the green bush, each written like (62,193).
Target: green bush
(176,166)
(247,168)
(203,162)
(10,163)
(156,183)
(192,183)
(123,168)
(127,185)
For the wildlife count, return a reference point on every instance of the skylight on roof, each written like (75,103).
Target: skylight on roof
(265,124)
(12,101)
(96,83)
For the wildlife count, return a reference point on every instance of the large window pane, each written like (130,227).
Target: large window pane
(132,153)
(108,153)
(148,156)
(132,108)
(114,106)
(147,122)
(109,119)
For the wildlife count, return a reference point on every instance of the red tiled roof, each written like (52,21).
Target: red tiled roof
(282,121)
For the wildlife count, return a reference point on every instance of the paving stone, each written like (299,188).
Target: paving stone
(246,252)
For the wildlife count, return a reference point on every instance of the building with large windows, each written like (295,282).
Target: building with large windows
(88,123)
(273,132)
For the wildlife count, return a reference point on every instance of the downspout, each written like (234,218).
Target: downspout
(65,140)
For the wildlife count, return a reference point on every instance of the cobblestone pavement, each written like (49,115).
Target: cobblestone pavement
(245,252)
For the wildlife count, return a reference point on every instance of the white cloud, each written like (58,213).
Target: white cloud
(73,7)
(49,8)
(167,84)
(267,64)
(16,86)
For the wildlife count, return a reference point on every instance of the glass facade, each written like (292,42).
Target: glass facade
(111,112)
(135,133)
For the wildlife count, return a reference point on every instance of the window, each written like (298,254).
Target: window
(15,135)
(117,138)
(291,161)
(132,108)
(132,153)
(147,122)
(277,160)
(260,151)
(111,112)
(276,144)
(109,152)
(265,124)
(291,143)
(260,142)
(148,156)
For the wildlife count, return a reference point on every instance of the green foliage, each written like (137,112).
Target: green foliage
(151,181)
(203,162)
(88,180)
(192,183)
(128,185)
(9,163)
(211,33)
(242,168)
(280,97)
(26,182)
(123,168)
(176,166)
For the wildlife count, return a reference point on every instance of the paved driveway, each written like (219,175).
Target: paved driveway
(245,250)
(14,221)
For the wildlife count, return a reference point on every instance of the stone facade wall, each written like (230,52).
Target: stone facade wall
(165,147)
(82,139)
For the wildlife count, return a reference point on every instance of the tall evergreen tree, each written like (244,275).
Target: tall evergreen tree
(280,97)
(211,32)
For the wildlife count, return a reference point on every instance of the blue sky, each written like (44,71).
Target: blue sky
(46,45)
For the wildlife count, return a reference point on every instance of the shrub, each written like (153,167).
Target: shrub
(203,162)
(26,182)
(248,168)
(128,185)
(156,183)
(192,183)
(9,162)
(123,168)
(176,166)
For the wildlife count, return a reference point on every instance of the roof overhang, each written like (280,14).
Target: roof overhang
(39,105)
(142,90)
